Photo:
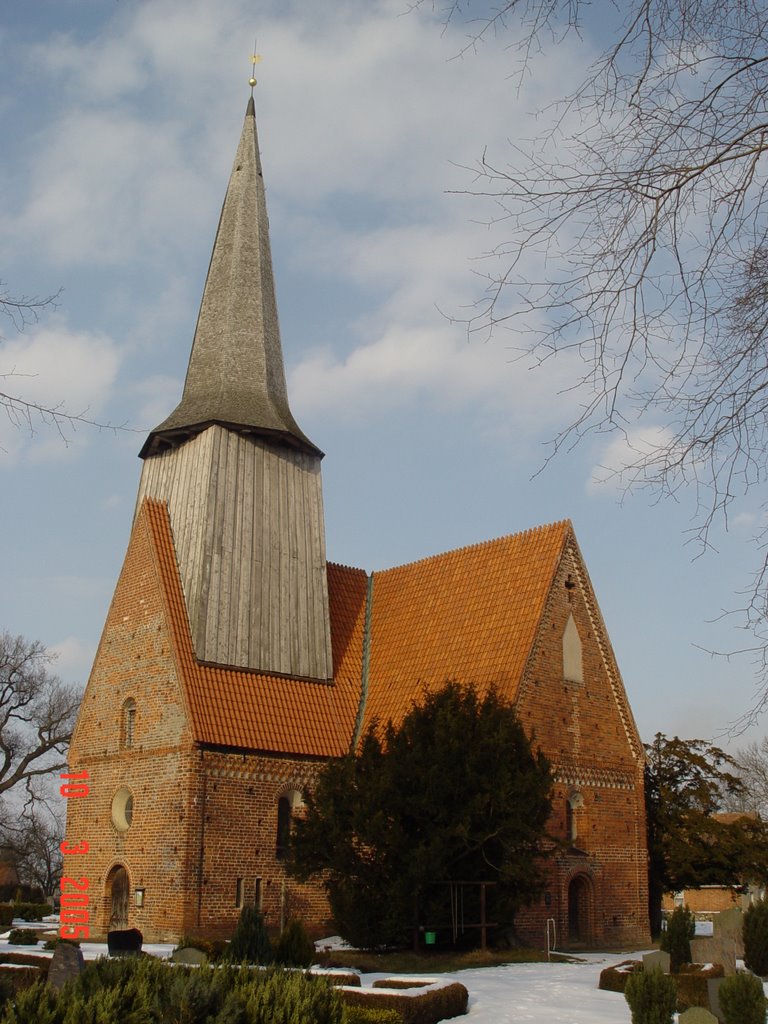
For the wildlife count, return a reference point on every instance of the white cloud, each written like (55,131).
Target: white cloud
(60,373)
(73,657)
(623,459)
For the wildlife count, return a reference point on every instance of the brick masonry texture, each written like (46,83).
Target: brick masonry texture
(204,825)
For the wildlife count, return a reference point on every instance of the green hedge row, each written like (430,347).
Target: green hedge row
(23,911)
(425,1007)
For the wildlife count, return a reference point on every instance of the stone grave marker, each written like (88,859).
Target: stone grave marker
(125,942)
(715,950)
(713,987)
(67,962)
(697,1015)
(189,955)
(657,960)
(728,924)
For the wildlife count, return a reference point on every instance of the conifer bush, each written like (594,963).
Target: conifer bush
(742,999)
(148,991)
(250,941)
(294,947)
(652,997)
(676,940)
(754,931)
(22,937)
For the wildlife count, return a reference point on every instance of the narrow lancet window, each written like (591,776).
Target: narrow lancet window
(573,667)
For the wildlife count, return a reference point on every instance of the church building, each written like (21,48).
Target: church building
(235,660)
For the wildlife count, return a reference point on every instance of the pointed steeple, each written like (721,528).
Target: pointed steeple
(241,482)
(236,376)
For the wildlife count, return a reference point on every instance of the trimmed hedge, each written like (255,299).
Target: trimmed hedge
(425,1007)
(31,911)
(691,982)
(23,937)
(338,977)
(6,913)
(614,979)
(367,1015)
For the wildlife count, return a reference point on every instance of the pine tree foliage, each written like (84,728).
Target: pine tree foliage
(755,935)
(294,947)
(454,794)
(676,939)
(250,941)
(742,999)
(686,783)
(652,997)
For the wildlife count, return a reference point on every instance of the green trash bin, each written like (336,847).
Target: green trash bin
(430,938)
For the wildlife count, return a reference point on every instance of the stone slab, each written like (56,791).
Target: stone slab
(729,924)
(658,960)
(713,988)
(189,955)
(67,963)
(697,1015)
(124,942)
(715,950)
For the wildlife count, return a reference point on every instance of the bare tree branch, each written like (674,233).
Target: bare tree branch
(634,233)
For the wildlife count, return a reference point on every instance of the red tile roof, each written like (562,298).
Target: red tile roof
(255,711)
(470,615)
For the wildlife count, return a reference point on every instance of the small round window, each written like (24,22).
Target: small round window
(122,809)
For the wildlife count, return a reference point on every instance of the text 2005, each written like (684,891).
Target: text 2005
(74,890)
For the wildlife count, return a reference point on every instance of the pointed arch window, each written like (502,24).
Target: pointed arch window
(128,724)
(573,664)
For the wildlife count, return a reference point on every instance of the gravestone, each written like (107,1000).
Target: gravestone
(189,955)
(715,950)
(713,988)
(126,942)
(658,960)
(728,924)
(697,1015)
(67,962)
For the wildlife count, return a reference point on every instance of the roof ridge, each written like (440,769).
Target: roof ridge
(559,524)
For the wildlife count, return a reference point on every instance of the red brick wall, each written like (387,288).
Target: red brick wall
(203,819)
(587,732)
(241,794)
(134,660)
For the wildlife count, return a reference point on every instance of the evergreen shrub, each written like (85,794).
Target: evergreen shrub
(6,913)
(676,940)
(742,999)
(31,911)
(294,947)
(652,997)
(250,941)
(148,991)
(22,937)
(754,931)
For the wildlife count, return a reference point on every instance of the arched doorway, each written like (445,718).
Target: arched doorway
(579,910)
(118,887)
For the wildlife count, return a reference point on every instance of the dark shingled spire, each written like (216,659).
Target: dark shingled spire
(236,376)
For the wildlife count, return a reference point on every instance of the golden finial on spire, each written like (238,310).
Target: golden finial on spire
(256,58)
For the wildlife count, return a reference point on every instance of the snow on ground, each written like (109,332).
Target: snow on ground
(547,993)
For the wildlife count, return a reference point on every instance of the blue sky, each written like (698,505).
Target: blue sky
(119,121)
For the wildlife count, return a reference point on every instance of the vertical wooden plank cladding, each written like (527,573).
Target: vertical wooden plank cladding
(247,521)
